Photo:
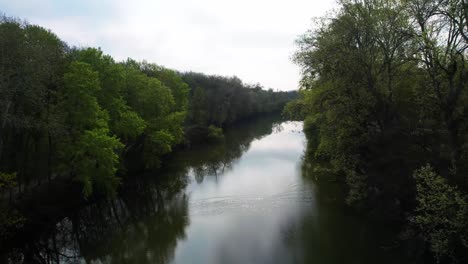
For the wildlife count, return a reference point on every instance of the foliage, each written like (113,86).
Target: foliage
(77,117)
(215,133)
(7,181)
(441,213)
(10,219)
(384,90)
(89,153)
(221,101)
(76,113)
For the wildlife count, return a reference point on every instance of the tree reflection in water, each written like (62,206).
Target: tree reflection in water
(149,216)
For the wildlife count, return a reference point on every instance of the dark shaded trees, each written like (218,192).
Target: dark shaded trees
(385,92)
(440,34)
(221,101)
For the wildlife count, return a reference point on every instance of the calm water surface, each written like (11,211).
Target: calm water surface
(249,211)
(247,200)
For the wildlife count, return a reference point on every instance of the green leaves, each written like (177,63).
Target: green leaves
(128,124)
(75,112)
(7,180)
(441,213)
(384,90)
(156,95)
(155,145)
(90,153)
(79,96)
(96,161)
(146,103)
(106,106)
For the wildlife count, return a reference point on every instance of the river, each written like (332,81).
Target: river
(249,199)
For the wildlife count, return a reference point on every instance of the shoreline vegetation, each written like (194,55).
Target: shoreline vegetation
(384,100)
(77,116)
(68,228)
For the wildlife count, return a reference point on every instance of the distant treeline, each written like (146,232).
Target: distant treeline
(77,113)
(385,103)
(218,101)
(223,100)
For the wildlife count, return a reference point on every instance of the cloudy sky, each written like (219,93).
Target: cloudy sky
(252,39)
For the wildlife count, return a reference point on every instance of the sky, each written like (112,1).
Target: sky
(251,39)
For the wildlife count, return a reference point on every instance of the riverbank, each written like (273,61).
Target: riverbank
(42,207)
(250,198)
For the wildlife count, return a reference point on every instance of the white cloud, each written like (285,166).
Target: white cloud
(253,39)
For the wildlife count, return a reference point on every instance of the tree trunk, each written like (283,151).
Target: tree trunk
(4,120)
(49,157)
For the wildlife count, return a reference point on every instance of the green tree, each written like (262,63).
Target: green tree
(124,121)
(441,213)
(384,91)
(89,152)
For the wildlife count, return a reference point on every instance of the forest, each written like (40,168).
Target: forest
(385,101)
(76,115)
(96,153)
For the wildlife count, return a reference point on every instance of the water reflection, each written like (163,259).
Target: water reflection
(251,199)
(240,216)
(148,218)
(214,160)
(141,227)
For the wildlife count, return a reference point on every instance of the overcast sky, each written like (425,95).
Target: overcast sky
(252,39)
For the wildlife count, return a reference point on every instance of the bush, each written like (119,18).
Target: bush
(441,214)
(199,134)
(215,134)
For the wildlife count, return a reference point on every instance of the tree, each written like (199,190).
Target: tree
(125,123)
(88,152)
(198,113)
(440,34)
(441,213)
(384,91)
(32,59)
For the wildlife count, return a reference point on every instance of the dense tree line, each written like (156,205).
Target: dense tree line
(385,101)
(218,101)
(222,100)
(76,113)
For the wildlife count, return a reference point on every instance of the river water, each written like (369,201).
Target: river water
(249,199)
